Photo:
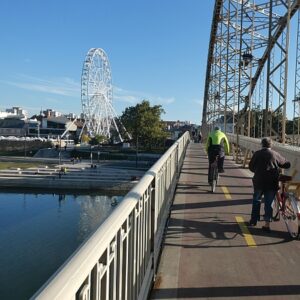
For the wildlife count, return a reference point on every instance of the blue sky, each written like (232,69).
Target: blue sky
(157,51)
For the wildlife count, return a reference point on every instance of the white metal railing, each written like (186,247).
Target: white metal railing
(119,260)
(291,153)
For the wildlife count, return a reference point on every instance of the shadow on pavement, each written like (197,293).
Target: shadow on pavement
(228,291)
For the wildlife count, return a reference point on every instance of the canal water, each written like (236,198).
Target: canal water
(38,232)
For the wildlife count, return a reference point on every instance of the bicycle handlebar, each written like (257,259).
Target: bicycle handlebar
(285,178)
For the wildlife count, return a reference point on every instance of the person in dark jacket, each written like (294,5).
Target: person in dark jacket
(265,165)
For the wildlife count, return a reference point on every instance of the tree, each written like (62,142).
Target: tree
(98,139)
(144,123)
(85,138)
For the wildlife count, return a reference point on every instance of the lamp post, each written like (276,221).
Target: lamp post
(247,58)
(25,150)
(38,129)
(59,152)
(260,127)
(91,156)
(137,139)
(136,151)
(296,103)
(217,101)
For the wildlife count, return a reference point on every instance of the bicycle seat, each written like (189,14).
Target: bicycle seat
(285,178)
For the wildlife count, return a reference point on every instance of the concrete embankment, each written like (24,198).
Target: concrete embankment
(71,177)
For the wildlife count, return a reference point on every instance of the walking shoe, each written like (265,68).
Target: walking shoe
(266,228)
(221,171)
(251,223)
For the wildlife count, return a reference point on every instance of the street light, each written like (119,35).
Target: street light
(91,155)
(296,101)
(38,128)
(217,96)
(247,58)
(25,150)
(59,153)
(137,152)
(260,127)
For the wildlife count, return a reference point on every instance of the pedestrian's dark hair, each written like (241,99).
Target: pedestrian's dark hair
(266,142)
(217,128)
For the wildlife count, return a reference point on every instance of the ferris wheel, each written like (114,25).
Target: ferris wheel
(97,95)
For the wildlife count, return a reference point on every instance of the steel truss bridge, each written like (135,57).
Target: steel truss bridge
(251,89)
(252,84)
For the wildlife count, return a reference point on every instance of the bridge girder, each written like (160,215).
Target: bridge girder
(248,48)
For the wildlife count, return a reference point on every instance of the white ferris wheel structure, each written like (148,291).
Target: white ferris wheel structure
(97,96)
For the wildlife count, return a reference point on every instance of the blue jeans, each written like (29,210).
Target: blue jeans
(269,197)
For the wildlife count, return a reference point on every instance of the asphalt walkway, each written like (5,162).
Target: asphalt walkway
(209,253)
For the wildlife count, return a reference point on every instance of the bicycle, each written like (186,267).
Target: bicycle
(286,205)
(213,174)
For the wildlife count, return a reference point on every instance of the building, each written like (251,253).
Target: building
(14,112)
(177,128)
(12,127)
(54,127)
(13,122)
(50,124)
(48,113)
(17,111)
(169,125)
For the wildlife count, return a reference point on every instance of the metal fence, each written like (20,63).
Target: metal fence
(119,260)
(291,153)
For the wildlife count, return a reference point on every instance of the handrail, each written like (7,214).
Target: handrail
(291,153)
(119,260)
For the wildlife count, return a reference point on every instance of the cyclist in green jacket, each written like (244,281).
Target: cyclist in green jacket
(217,144)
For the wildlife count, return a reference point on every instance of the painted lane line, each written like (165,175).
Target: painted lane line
(226,193)
(247,235)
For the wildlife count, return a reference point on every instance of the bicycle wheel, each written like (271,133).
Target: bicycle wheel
(276,209)
(290,216)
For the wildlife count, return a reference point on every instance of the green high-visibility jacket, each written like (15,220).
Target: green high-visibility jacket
(217,137)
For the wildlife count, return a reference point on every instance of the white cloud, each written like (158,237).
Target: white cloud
(161,100)
(123,95)
(126,98)
(63,86)
(134,97)
(197,101)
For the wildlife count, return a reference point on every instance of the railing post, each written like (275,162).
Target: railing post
(121,258)
(154,204)
(177,161)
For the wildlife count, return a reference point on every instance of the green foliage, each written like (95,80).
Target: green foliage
(275,118)
(144,123)
(277,123)
(85,138)
(98,139)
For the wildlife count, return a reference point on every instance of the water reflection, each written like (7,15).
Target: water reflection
(38,232)
(92,207)
(61,198)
